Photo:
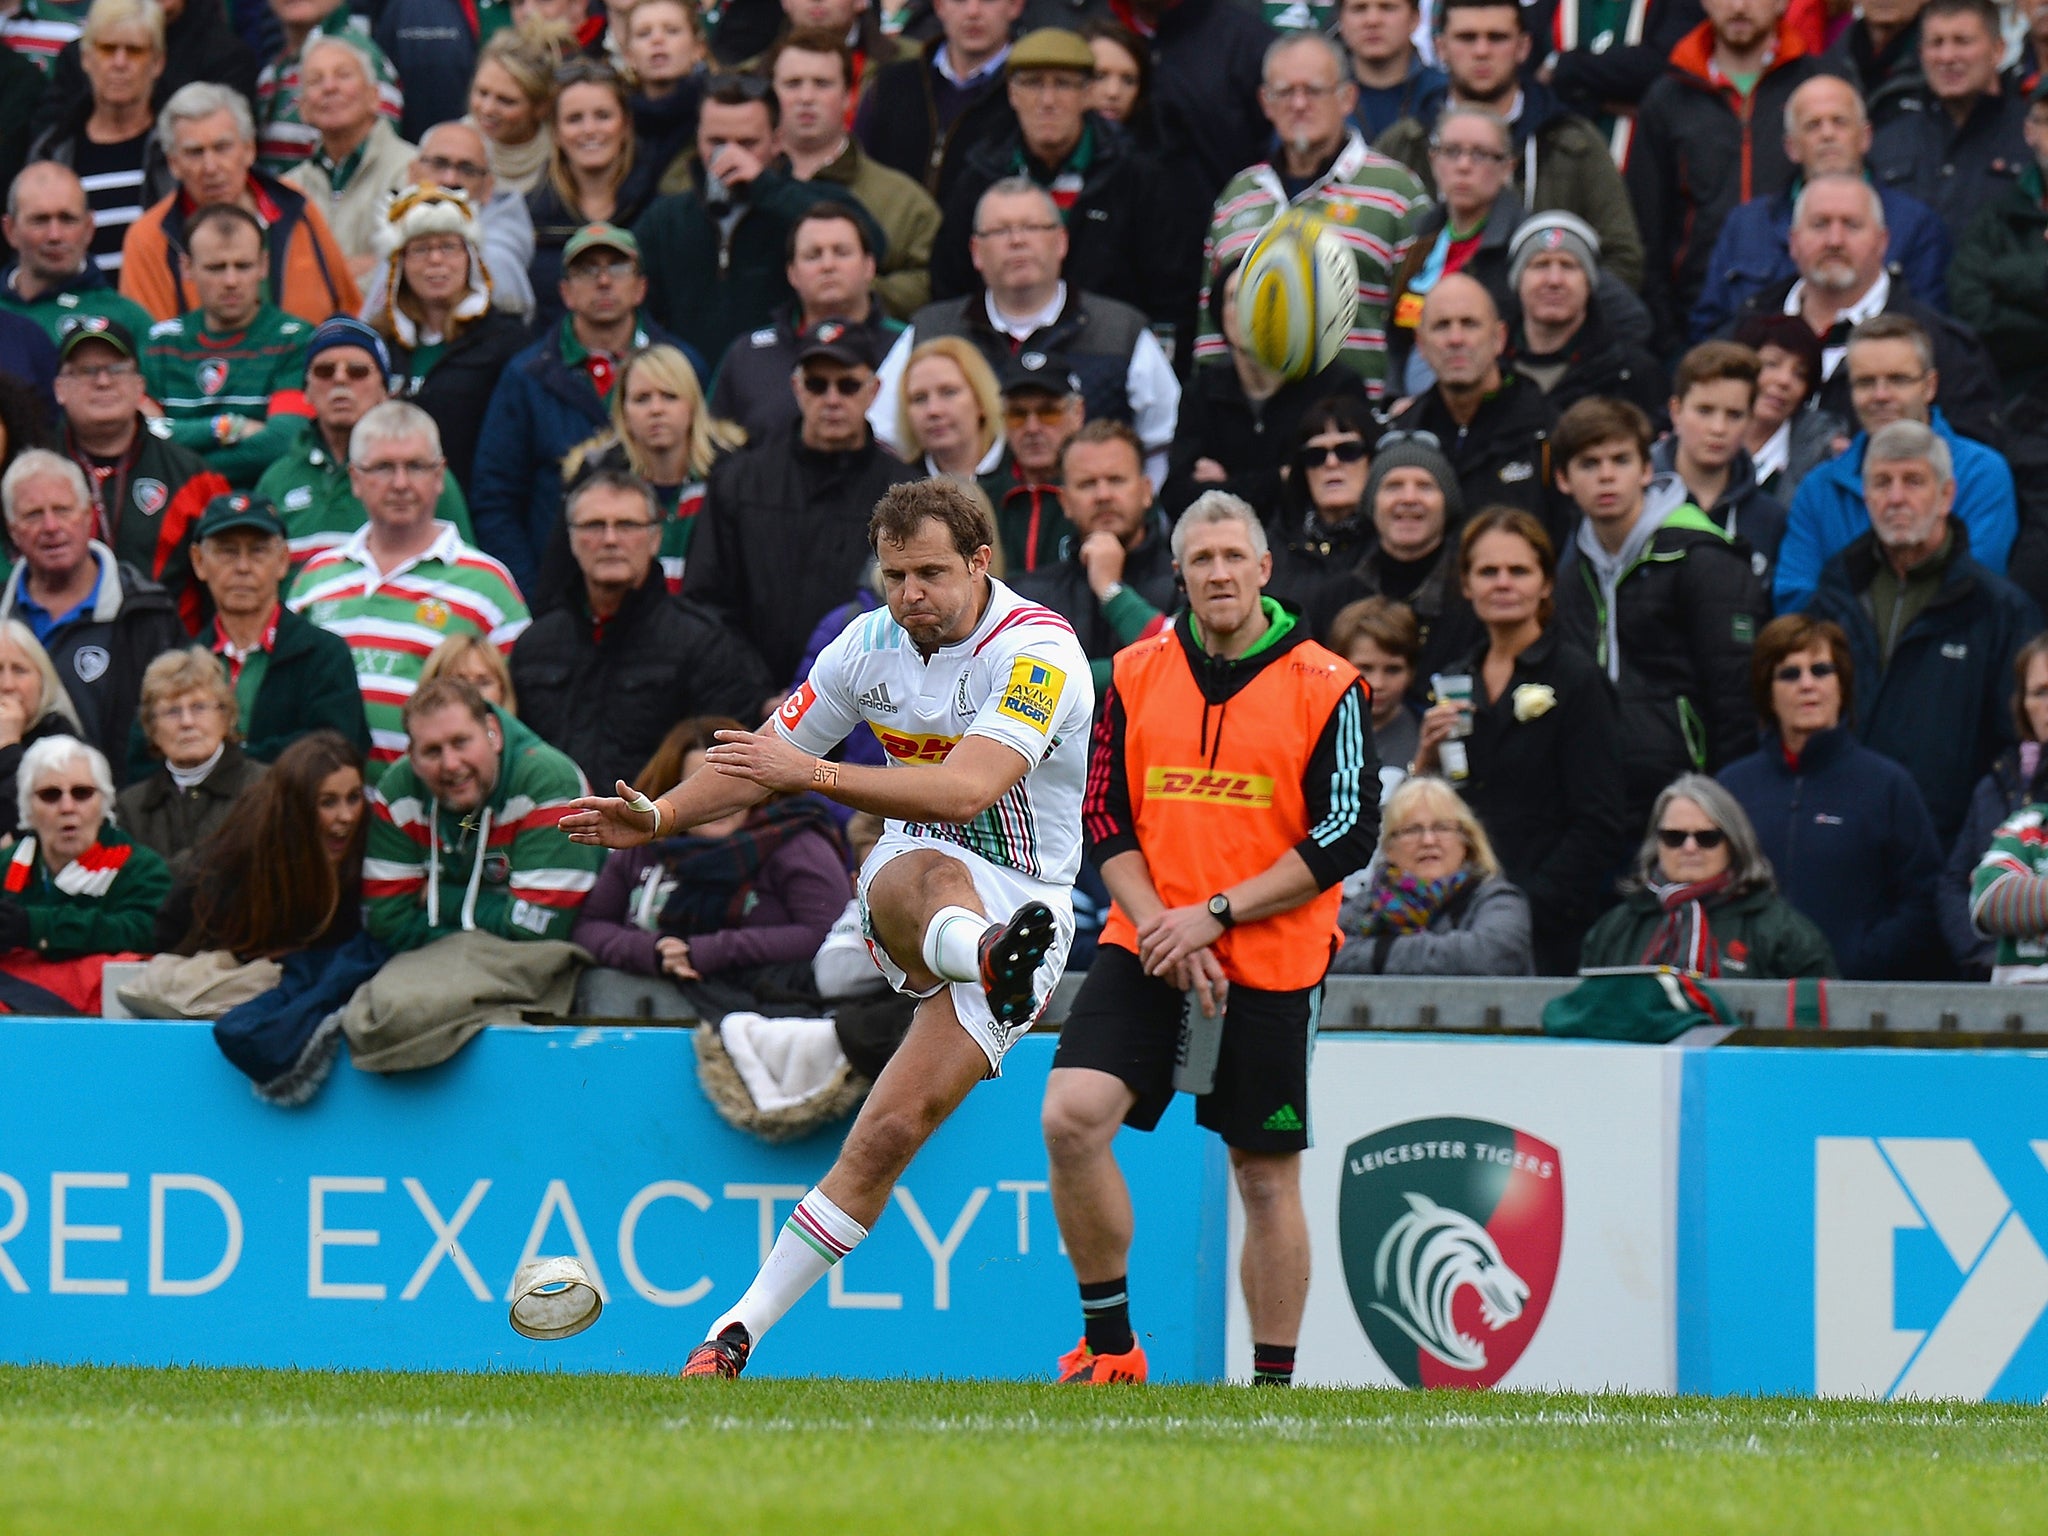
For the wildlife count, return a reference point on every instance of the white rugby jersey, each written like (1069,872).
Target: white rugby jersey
(1021,678)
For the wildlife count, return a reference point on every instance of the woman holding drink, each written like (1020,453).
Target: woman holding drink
(1525,728)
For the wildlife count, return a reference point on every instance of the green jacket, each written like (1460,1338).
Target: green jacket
(198,376)
(506,868)
(310,489)
(1574,171)
(63,926)
(1760,936)
(86,294)
(1998,282)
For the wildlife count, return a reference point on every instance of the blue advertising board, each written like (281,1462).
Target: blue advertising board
(153,1211)
(1865,1223)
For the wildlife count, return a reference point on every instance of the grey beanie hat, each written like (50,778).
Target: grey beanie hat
(1408,451)
(1554,230)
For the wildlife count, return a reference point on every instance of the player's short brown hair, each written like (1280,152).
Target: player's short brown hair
(904,508)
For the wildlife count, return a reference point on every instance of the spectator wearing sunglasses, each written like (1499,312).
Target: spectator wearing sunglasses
(1324,523)
(1702,897)
(783,537)
(1844,826)
(1237,416)
(346,371)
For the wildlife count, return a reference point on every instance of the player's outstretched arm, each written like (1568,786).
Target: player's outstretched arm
(628,819)
(975,775)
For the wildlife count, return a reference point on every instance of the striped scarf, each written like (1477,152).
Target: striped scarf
(1401,903)
(1685,938)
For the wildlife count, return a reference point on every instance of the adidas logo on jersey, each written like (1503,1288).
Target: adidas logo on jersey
(877,698)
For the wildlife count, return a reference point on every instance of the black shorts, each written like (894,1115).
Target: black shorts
(1127,1024)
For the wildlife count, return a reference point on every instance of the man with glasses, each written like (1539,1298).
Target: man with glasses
(347,369)
(1127,237)
(1232,787)
(832,271)
(101,619)
(290,677)
(1025,306)
(1323,167)
(226,376)
(56,280)
(556,393)
(1662,600)
(452,155)
(715,253)
(1892,376)
(606,678)
(146,490)
(782,539)
(1042,410)
(1492,424)
(1838,246)
(405,581)
(1932,631)
(1557,158)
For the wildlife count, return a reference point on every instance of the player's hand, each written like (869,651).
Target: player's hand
(764,758)
(608,821)
(1204,977)
(1102,558)
(1172,936)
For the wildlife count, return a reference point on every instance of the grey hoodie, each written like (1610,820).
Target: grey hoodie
(1665,496)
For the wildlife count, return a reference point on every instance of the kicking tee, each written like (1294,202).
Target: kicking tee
(1020,678)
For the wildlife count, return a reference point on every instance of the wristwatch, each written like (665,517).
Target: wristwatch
(1219,908)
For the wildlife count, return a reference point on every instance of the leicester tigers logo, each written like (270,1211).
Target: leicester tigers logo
(212,374)
(1450,1231)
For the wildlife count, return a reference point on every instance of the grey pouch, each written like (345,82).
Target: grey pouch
(1195,1053)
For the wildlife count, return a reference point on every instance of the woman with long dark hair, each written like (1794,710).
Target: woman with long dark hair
(285,872)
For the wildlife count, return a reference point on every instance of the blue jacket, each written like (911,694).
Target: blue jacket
(543,406)
(1849,837)
(1943,708)
(1750,254)
(1829,513)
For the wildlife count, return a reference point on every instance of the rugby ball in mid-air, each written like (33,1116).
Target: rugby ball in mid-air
(1297,295)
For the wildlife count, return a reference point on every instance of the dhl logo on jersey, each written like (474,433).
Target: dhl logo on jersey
(915,749)
(1254,791)
(1033,693)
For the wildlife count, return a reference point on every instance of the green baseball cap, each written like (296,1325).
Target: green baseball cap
(601,237)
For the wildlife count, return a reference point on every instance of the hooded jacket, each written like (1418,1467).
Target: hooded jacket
(772,498)
(100,655)
(1699,150)
(309,275)
(1560,162)
(1671,618)
(1942,708)
(1743,512)
(1829,512)
(1760,936)
(1752,253)
(1275,757)
(606,694)
(1850,839)
(505,868)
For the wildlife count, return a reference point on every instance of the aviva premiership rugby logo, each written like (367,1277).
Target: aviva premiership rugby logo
(1450,1232)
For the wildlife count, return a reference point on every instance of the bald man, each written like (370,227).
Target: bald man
(452,155)
(50,223)
(1827,133)
(1493,426)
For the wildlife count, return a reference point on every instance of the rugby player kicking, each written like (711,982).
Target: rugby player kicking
(983,702)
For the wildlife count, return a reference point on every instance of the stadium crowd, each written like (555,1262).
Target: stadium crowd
(414,416)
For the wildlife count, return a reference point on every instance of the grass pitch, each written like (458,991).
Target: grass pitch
(214,1452)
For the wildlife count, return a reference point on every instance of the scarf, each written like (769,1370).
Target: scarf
(1404,904)
(706,884)
(1685,938)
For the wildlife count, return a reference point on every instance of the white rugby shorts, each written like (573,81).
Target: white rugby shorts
(1002,891)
